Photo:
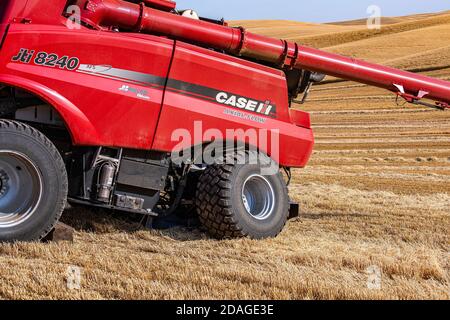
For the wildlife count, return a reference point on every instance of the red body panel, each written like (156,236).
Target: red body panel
(117,118)
(214,70)
(32,11)
(300,118)
(11,9)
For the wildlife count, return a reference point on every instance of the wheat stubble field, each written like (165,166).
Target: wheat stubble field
(376,193)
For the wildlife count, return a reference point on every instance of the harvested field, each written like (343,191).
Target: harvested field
(376,195)
(327,35)
(389,20)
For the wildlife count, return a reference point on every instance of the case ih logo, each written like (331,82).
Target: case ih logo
(239,102)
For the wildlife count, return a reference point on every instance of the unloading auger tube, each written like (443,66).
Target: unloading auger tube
(162,20)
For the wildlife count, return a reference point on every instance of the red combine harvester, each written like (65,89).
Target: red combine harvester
(118,104)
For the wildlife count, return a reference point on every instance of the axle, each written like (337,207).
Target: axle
(237,41)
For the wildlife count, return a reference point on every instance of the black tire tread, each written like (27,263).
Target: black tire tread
(39,137)
(213,203)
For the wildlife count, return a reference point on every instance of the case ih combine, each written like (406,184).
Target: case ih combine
(89,114)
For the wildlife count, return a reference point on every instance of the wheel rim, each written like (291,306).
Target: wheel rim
(258,197)
(20,188)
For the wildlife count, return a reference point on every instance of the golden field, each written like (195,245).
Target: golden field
(376,193)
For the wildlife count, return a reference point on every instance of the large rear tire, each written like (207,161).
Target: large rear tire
(33,183)
(238,200)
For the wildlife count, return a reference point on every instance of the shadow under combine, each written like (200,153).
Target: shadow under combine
(101,221)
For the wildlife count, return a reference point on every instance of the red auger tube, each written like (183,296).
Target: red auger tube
(139,18)
(165,5)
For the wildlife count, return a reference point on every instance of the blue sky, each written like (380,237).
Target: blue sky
(309,11)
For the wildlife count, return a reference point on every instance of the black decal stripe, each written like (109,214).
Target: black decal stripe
(123,75)
(137,77)
(173,85)
(191,94)
(193,88)
(143,84)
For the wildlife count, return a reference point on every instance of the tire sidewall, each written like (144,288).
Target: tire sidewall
(250,225)
(53,191)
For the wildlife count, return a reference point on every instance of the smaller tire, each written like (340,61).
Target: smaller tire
(33,183)
(237,200)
